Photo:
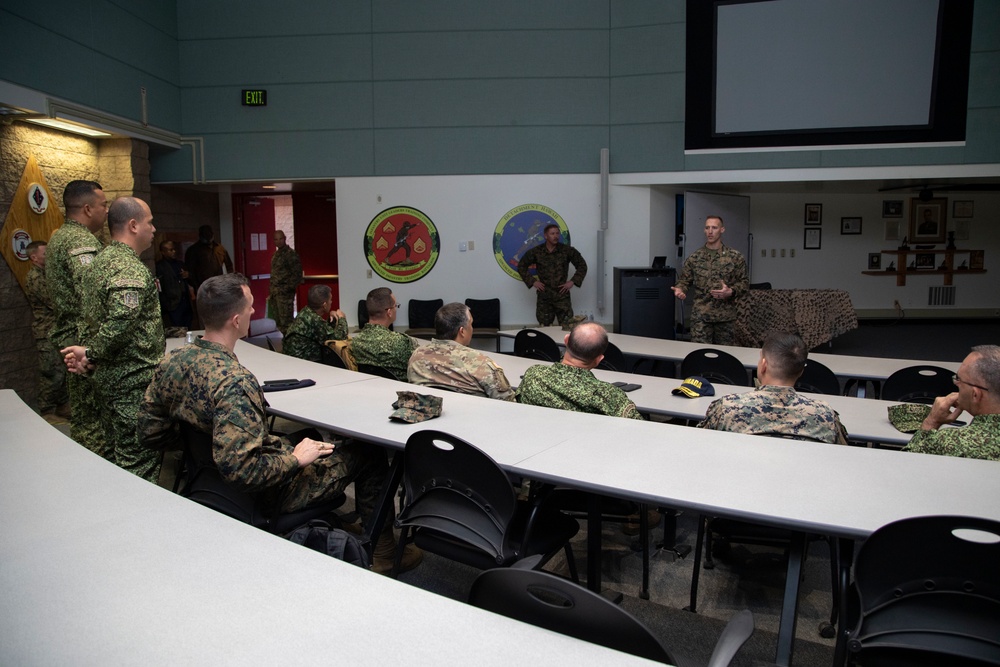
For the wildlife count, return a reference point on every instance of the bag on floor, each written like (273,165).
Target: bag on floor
(320,536)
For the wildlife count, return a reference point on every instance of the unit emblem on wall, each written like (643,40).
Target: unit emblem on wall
(519,230)
(402,244)
(38,198)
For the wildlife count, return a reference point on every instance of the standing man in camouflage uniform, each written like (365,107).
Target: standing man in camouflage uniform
(551,260)
(286,276)
(978,382)
(375,344)
(205,386)
(448,363)
(314,325)
(52,394)
(570,384)
(123,340)
(71,250)
(718,276)
(775,407)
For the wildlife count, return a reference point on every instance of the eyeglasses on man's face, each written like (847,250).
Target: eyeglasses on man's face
(956,380)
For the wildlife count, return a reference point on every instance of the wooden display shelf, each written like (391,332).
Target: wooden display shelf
(902,271)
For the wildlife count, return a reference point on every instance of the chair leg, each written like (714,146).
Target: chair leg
(571,564)
(699,545)
(709,547)
(404,536)
(644,545)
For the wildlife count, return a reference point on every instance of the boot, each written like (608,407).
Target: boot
(385,554)
(632,527)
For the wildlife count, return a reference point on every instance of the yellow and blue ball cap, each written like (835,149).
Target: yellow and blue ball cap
(695,387)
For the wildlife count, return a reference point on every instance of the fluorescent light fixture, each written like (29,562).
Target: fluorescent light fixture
(67,126)
(269,187)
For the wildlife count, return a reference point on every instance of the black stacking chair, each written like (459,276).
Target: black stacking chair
(329,357)
(533,344)
(715,366)
(421,317)
(547,601)
(818,379)
(460,505)
(485,319)
(614,359)
(377,371)
(928,593)
(918,384)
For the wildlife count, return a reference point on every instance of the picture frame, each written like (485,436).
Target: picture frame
(892,230)
(874,261)
(850,225)
(892,208)
(976,259)
(925,261)
(813,239)
(814,214)
(962,208)
(928,220)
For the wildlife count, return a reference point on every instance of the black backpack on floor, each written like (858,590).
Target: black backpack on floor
(320,536)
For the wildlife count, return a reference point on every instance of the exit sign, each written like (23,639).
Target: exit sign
(255,98)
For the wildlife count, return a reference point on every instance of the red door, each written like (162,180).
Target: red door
(256,229)
(316,241)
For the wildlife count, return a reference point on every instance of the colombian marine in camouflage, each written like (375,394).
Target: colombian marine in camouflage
(52,370)
(571,388)
(979,440)
(776,410)
(375,345)
(450,365)
(286,276)
(304,338)
(552,269)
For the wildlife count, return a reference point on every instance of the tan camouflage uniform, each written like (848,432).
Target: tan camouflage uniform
(375,345)
(552,269)
(204,385)
(778,410)
(68,257)
(304,338)
(979,440)
(52,369)
(286,276)
(571,388)
(448,364)
(124,337)
(713,320)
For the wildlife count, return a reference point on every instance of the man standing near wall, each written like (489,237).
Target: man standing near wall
(718,275)
(52,395)
(286,276)
(552,260)
(71,251)
(123,340)
(206,258)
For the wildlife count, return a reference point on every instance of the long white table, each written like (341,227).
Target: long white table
(99,567)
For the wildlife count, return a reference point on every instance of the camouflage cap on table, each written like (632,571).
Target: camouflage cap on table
(412,407)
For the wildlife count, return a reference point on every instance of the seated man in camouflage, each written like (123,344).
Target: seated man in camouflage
(775,407)
(570,384)
(978,382)
(314,325)
(204,385)
(375,344)
(447,362)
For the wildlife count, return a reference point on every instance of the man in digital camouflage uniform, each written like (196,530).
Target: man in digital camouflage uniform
(375,344)
(570,384)
(53,399)
(313,326)
(70,252)
(204,385)
(775,408)
(448,363)
(286,276)
(978,382)
(717,277)
(123,339)
(551,261)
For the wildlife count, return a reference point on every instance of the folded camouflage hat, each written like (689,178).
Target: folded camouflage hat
(695,386)
(907,417)
(412,407)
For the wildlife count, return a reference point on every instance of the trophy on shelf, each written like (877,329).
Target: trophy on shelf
(964,266)
(944,265)
(904,245)
(891,267)
(912,266)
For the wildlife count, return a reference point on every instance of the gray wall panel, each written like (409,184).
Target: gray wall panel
(436,15)
(648,50)
(647,99)
(984,79)
(628,13)
(288,155)
(198,19)
(656,147)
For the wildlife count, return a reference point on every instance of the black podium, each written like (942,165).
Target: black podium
(644,302)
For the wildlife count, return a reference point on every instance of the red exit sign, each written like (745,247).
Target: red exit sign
(255,98)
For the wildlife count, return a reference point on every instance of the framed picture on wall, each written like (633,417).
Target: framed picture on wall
(814,214)
(962,208)
(925,261)
(892,230)
(813,239)
(874,261)
(928,220)
(892,208)
(850,225)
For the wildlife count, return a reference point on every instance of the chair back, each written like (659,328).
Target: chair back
(421,316)
(918,384)
(715,366)
(205,485)
(929,592)
(533,344)
(377,371)
(818,379)
(329,356)
(614,359)
(485,319)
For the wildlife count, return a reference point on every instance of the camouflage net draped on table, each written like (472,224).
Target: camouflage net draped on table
(817,315)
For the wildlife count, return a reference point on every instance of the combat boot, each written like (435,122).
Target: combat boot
(385,554)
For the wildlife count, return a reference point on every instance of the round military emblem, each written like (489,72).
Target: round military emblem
(19,242)
(402,244)
(38,198)
(519,230)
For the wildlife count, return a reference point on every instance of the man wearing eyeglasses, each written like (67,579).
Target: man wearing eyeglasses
(978,382)
(375,344)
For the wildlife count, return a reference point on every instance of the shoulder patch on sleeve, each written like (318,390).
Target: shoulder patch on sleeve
(130,299)
(128,283)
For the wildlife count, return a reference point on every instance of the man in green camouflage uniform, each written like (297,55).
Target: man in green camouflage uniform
(286,276)
(204,385)
(978,382)
(717,274)
(123,339)
(448,363)
(70,252)
(571,385)
(312,326)
(375,344)
(551,261)
(775,408)
(52,394)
